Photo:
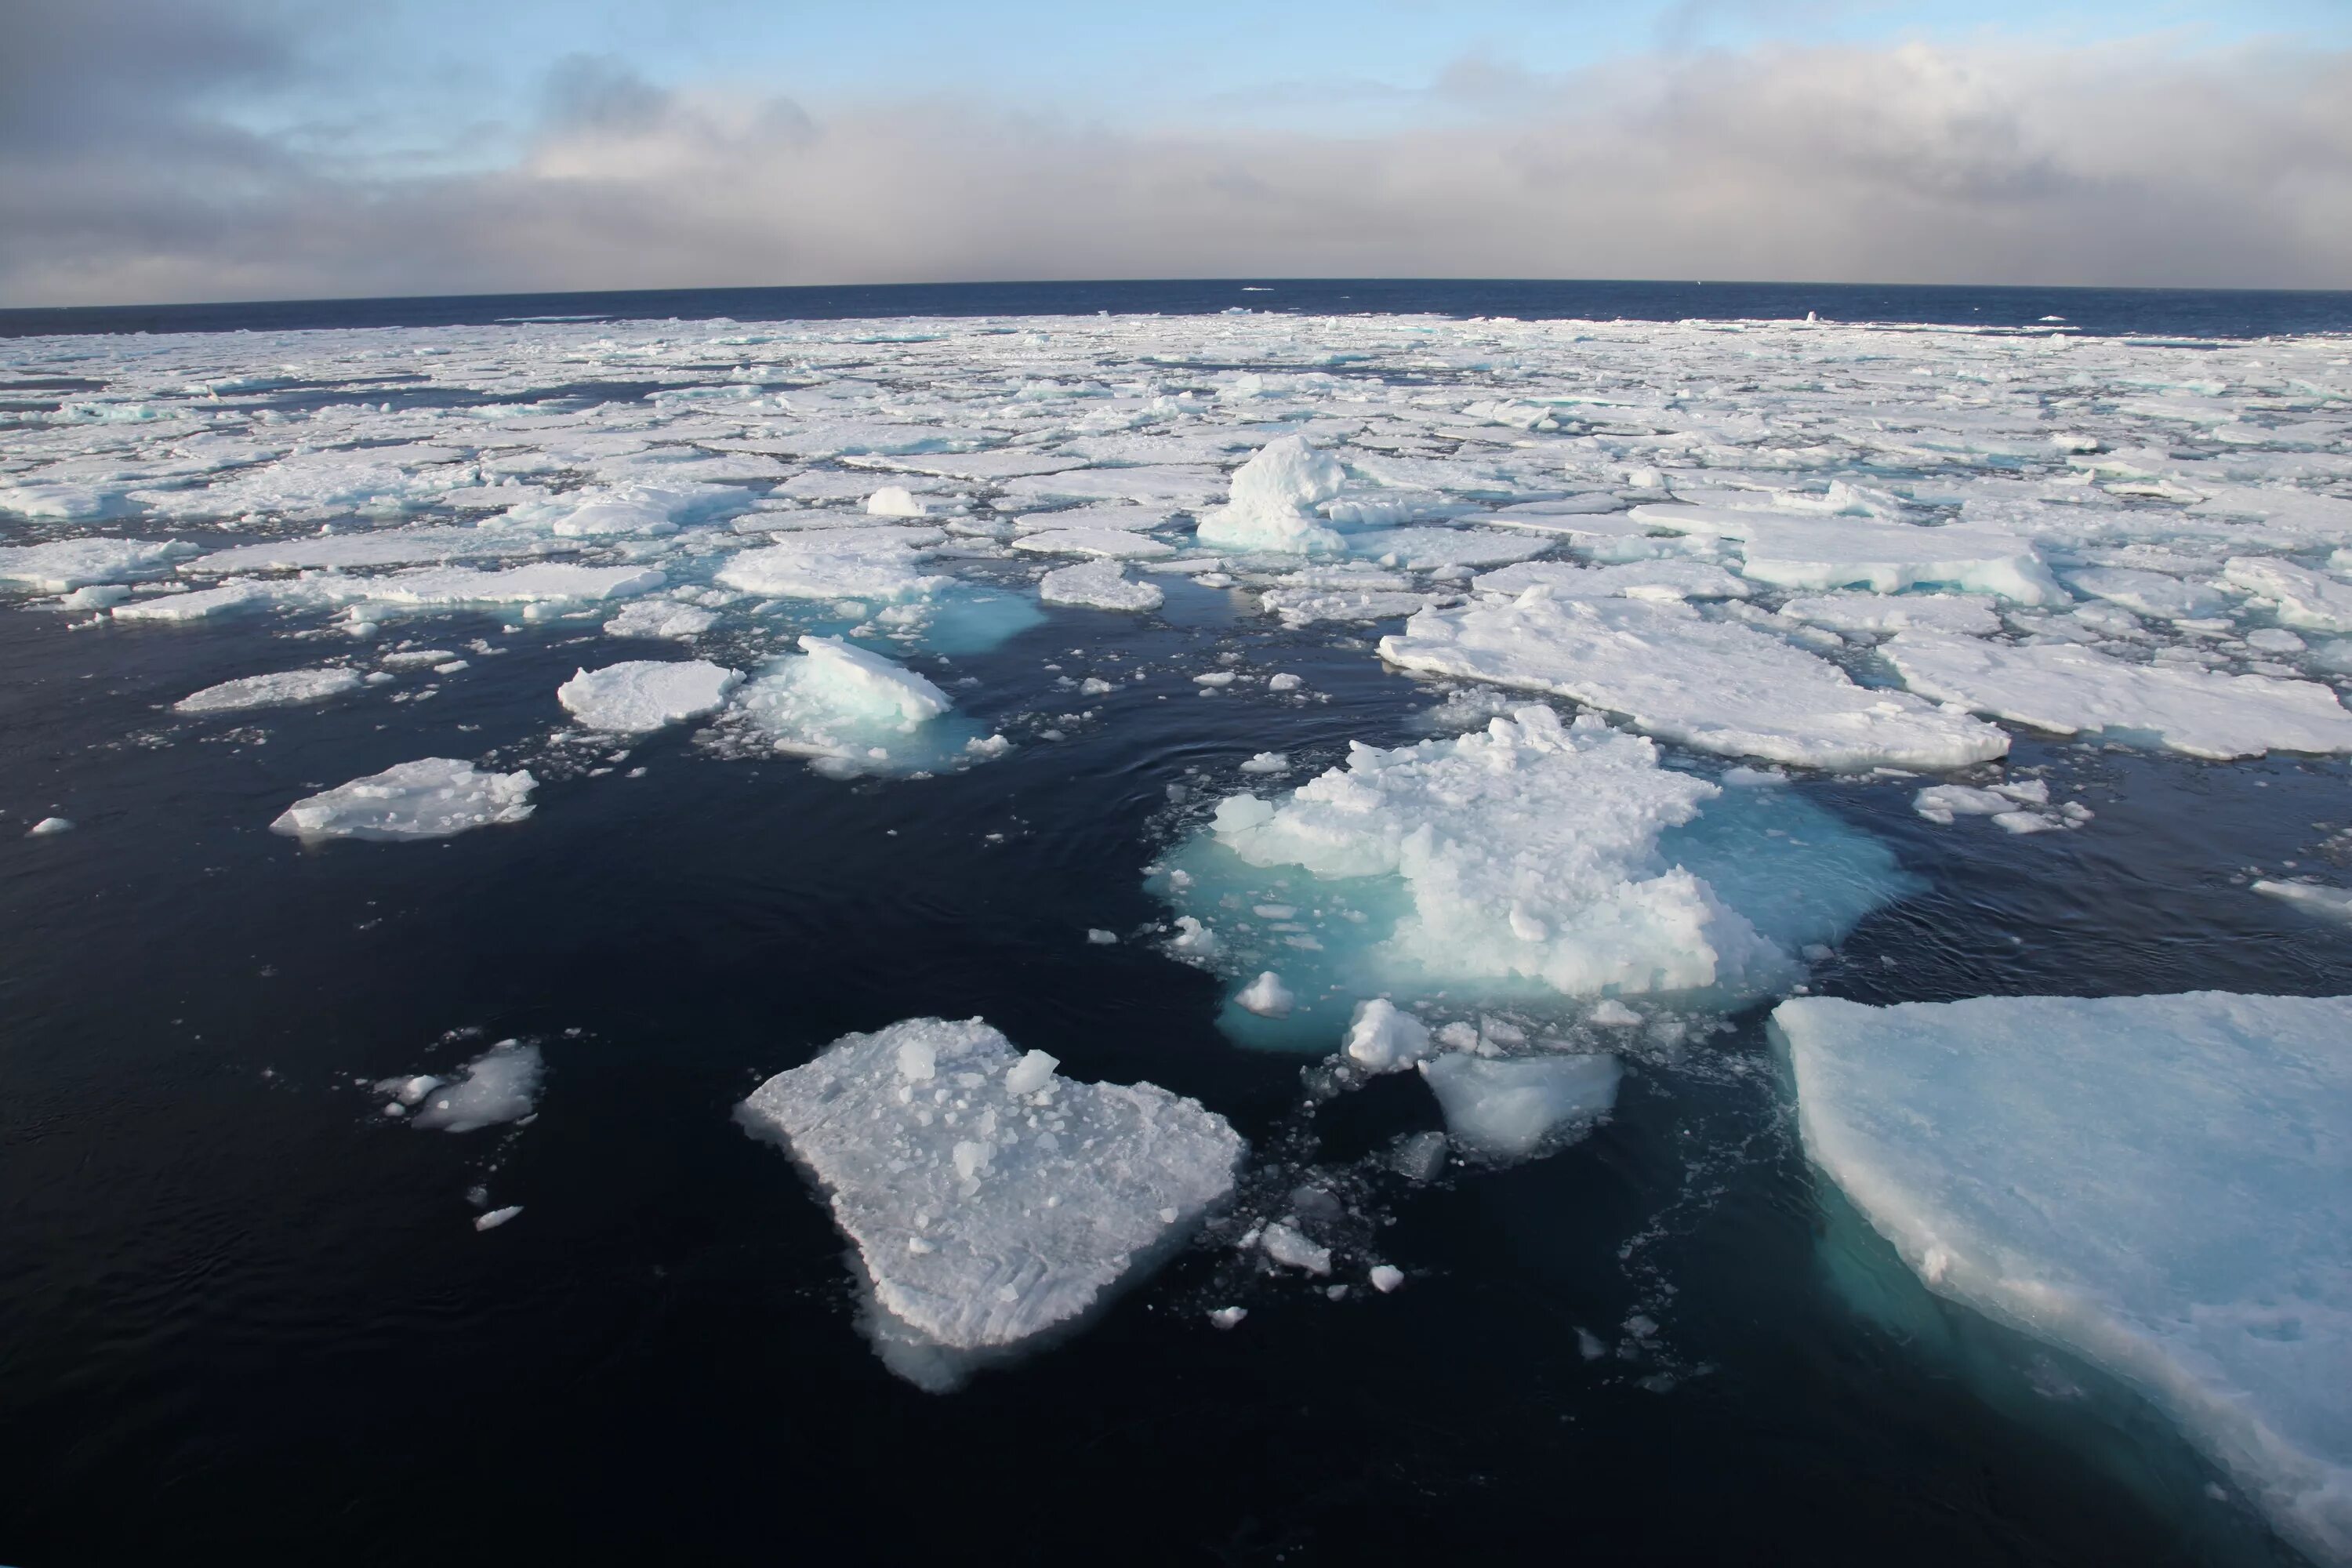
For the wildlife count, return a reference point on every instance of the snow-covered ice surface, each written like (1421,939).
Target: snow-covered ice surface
(2162,1184)
(1490,714)
(990,1199)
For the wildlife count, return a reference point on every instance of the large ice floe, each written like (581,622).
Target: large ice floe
(990,1199)
(1272,501)
(430,798)
(1534,860)
(2075,690)
(638,695)
(1714,686)
(2161,1184)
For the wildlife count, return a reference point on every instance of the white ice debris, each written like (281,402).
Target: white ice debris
(1293,1248)
(1665,579)
(881,564)
(1509,1108)
(989,1199)
(498,1085)
(2155,594)
(1382,1039)
(48,826)
(2162,1184)
(1266,996)
(282,690)
(1115,543)
(1972,615)
(430,798)
(2071,690)
(2312,600)
(1273,497)
(641,695)
(1385,1277)
(66,563)
(652,617)
(1099,586)
(1709,685)
(497,1217)
(2331,903)
(1267,763)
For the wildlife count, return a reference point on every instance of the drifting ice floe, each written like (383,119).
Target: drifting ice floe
(1116,543)
(1532,861)
(1511,1108)
(2162,1184)
(2071,690)
(839,563)
(430,798)
(642,695)
(852,711)
(1273,495)
(2301,597)
(1099,586)
(989,1200)
(279,690)
(2331,903)
(67,564)
(1710,684)
(498,1085)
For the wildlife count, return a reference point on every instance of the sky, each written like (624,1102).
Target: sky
(158,150)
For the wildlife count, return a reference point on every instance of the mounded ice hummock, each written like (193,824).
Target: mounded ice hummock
(1099,586)
(63,565)
(500,1085)
(852,711)
(1509,1108)
(1533,862)
(989,1200)
(2162,1184)
(432,797)
(1712,686)
(644,694)
(1272,501)
(2072,690)
(283,689)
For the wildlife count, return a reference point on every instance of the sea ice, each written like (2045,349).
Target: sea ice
(1509,1108)
(839,563)
(2305,598)
(652,617)
(1099,586)
(989,1199)
(851,709)
(642,695)
(1116,543)
(1709,685)
(2071,690)
(430,798)
(2162,1184)
(2331,903)
(1273,497)
(62,564)
(501,1085)
(285,689)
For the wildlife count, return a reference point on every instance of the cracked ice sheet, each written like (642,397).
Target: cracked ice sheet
(991,1200)
(2070,689)
(1712,686)
(2160,1184)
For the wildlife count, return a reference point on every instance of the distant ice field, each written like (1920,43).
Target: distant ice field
(1233,842)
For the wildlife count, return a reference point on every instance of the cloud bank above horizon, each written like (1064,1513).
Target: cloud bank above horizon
(158,150)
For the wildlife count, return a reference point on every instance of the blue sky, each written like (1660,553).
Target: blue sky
(154,150)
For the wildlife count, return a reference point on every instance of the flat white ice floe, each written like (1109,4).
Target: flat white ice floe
(373,547)
(432,797)
(839,563)
(990,1199)
(62,564)
(1118,544)
(2162,1184)
(2330,903)
(641,695)
(1710,684)
(541,582)
(498,1085)
(285,689)
(1099,586)
(2071,690)
(1533,860)
(1970,614)
(1819,554)
(850,709)
(1511,1108)
(2311,600)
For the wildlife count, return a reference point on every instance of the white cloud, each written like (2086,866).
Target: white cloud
(2118,164)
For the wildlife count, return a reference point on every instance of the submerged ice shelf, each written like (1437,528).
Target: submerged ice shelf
(991,1200)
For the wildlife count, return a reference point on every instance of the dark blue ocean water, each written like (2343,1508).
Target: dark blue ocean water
(243,1318)
(2184,312)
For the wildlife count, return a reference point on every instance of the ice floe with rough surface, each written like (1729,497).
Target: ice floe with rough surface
(1709,685)
(67,564)
(1663,580)
(2074,691)
(2162,1184)
(1970,614)
(991,1199)
(432,797)
(2299,596)
(1272,499)
(641,695)
(1511,1108)
(1533,862)
(1099,586)
(501,1085)
(882,563)
(284,689)
(653,617)
(853,712)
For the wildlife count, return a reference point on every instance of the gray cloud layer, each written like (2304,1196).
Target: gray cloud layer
(2120,163)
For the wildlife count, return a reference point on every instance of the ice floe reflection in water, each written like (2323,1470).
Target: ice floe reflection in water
(1582,1243)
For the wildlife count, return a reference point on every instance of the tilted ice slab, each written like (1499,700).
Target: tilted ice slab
(853,712)
(2071,690)
(989,1198)
(642,694)
(1271,501)
(839,563)
(2303,598)
(284,689)
(1709,685)
(1511,1108)
(1531,861)
(430,798)
(67,564)
(2160,1184)
(1100,586)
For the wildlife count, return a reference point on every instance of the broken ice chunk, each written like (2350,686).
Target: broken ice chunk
(500,1085)
(1508,1109)
(1267,996)
(430,798)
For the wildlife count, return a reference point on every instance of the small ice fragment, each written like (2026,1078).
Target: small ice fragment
(1612,1014)
(47,825)
(1289,1246)
(1267,763)
(497,1217)
(1284,683)
(1386,1277)
(1515,1108)
(1228,1317)
(1100,937)
(1032,1072)
(1266,996)
(1382,1039)
(501,1085)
